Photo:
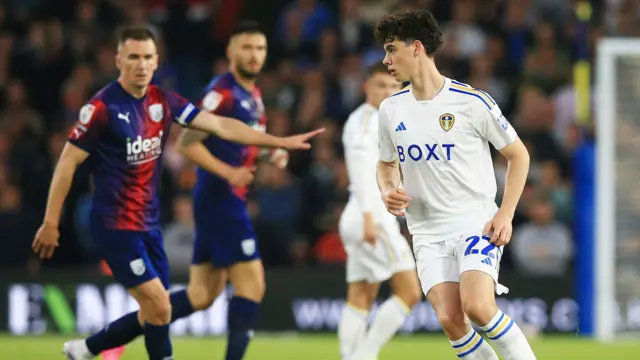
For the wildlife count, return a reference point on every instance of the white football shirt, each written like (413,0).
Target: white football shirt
(360,141)
(442,146)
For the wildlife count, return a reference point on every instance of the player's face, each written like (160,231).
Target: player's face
(401,59)
(137,61)
(380,86)
(248,53)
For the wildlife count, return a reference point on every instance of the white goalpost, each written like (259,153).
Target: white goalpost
(617,214)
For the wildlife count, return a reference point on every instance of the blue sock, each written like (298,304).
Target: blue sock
(243,316)
(157,342)
(180,305)
(119,332)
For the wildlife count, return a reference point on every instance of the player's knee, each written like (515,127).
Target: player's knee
(200,296)
(360,299)
(480,311)
(156,309)
(451,320)
(248,280)
(410,296)
(252,289)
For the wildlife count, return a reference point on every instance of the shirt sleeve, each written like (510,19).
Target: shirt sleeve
(491,125)
(360,157)
(92,120)
(182,110)
(217,101)
(388,152)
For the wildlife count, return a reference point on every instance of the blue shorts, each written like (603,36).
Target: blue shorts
(224,238)
(134,257)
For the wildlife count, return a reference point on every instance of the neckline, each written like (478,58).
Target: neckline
(443,89)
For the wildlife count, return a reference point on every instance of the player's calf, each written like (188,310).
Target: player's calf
(445,299)
(205,285)
(392,313)
(478,302)
(247,279)
(353,323)
(156,309)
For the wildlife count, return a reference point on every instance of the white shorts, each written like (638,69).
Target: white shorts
(374,264)
(444,258)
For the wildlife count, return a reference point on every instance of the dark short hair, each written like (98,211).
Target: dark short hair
(410,25)
(138,33)
(377,68)
(247,27)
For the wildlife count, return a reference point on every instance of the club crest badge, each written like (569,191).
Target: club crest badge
(447,121)
(156,112)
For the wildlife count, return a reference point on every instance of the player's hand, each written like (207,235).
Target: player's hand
(280,157)
(46,241)
(300,142)
(396,200)
(241,176)
(370,230)
(501,227)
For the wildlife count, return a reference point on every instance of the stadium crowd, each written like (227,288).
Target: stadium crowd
(55,54)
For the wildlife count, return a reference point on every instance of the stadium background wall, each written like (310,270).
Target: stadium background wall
(306,300)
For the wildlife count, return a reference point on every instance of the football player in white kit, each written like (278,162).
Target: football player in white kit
(376,249)
(435,165)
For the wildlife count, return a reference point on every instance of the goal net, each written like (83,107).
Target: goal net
(617,250)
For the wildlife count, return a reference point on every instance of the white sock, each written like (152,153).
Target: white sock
(352,328)
(389,318)
(507,337)
(473,347)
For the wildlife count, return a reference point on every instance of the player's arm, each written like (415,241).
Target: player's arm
(360,162)
(388,173)
(70,158)
(83,138)
(494,127)
(517,170)
(239,132)
(186,114)
(190,145)
(359,147)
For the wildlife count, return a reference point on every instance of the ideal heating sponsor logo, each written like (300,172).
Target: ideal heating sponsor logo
(141,150)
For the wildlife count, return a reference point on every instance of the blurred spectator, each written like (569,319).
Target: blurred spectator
(301,24)
(276,206)
(179,235)
(543,246)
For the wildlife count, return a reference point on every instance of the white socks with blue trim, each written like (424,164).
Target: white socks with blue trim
(508,339)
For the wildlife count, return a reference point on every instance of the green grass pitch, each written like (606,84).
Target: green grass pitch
(324,347)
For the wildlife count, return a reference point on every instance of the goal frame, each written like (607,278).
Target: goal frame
(605,313)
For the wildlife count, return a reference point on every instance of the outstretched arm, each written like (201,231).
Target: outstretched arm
(237,131)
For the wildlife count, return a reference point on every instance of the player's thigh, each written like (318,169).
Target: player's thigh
(445,299)
(127,255)
(154,244)
(367,263)
(153,299)
(435,262)
(361,294)
(232,239)
(406,286)
(206,283)
(479,267)
(247,278)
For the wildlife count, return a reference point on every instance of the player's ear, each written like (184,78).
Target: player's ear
(417,47)
(118,62)
(155,62)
